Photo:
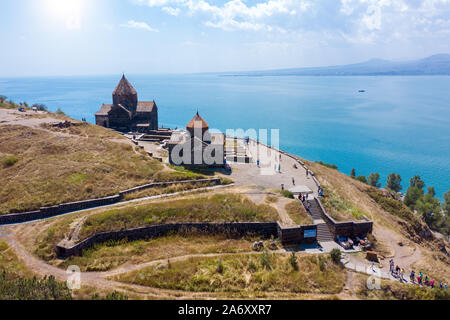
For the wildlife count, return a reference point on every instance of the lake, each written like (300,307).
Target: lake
(399,124)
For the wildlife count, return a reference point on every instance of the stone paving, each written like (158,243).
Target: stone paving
(266,175)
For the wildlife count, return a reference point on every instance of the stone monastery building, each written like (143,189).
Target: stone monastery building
(126,113)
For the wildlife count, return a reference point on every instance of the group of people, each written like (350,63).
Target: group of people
(399,273)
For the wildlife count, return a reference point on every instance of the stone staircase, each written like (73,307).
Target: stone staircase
(315,211)
(323,232)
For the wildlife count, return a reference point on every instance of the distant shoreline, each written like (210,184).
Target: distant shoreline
(334,75)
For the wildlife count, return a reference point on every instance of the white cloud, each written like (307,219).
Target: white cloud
(171,11)
(353,21)
(138,25)
(236,14)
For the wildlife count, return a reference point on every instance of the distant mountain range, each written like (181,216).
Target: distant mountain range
(435,65)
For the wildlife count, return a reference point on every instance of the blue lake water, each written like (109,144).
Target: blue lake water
(400,124)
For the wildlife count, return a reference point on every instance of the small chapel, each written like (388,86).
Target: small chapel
(126,113)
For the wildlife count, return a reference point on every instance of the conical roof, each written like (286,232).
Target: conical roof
(197,122)
(124,88)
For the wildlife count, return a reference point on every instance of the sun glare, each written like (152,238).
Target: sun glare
(69,11)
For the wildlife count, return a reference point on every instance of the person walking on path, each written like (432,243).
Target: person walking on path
(412,276)
(308,206)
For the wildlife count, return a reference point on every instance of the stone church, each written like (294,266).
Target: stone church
(196,146)
(126,113)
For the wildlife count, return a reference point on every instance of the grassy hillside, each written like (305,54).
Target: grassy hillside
(113,254)
(245,274)
(47,167)
(219,207)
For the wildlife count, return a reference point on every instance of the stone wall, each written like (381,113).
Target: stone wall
(47,212)
(295,235)
(346,229)
(287,236)
(264,229)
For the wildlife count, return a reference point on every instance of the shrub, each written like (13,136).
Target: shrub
(362,179)
(287,194)
(9,161)
(336,255)
(293,261)
(265,259)
(60,112)
(32,289)
(328,165)
(322,261)
(116,296)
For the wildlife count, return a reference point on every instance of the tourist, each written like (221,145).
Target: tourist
(412,276)
(397,270)
(320,192)
(308,206)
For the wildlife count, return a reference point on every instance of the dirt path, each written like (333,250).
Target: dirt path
(100,280)
(286,220)
(404,255)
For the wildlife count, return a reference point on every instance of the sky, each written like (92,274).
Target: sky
(103,37)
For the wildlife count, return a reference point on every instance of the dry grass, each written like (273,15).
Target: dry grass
(272,199)
(113,254)
(244,275)
(216,208)
(73,164)
(167,190)
(10,264)
(297,213)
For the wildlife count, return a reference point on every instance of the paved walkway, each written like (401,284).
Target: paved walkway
(250,174)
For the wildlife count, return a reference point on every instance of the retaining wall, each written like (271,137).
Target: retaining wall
(264,229)
(47,212)
(346,229)
(295,235)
